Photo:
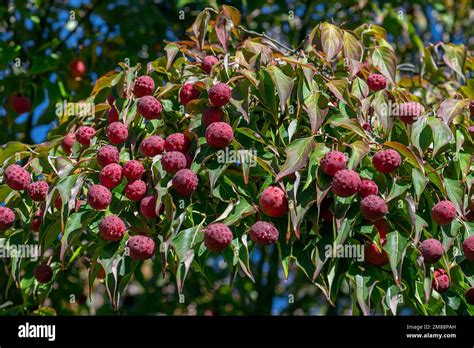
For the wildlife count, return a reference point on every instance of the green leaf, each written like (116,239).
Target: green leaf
(283,84)
(296,156)
(384,59)
(396,248)
(331,40)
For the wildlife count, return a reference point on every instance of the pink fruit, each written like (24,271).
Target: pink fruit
(376,82)
(432,250)
(141,247)
(373,208)
(219,135)
(208,62)
(143,86)
(133,170)
(332,162)
(386,161)
(173,161)
(43,273)
(149,107)
(273,202)
(219,94)
(135,190)
(440,280)
(367,187)
(177,142)
(185,182)
(38,191)
(16,177)
(443,212)
(345,183)
(374,256)
(20,103)
(112,228)
(211,115)
(68,143)
(77,68)
(148,207)
(113,115)
(117,133)
(37,220)
(152,146)
(108,154)
(7,218)
(263,233)
(84,135)
(188,93)
(111,175)
(382,228)
(99,197)
(468,248)
(217,237)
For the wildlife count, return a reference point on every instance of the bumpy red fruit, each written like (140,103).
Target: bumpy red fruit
(68,143)
(133,170)
(219,94)
(211,115)
(148,207)
(273,202)
(382,227)
(432,250)
(332,162)
(99,197)
(208,62)
(84,135)
(141,247)
(77,68)
(468,248)
(373,208)
(117,133)
(217,237)
(374,256)
(345,183)
(143,86)
(135,190)
(219,135)
(16,177)
(443,212)
(386,161)
(185,182)
(263,233)
(152,146)
(440,280)
(177,142)
(38,191)
(188,93)
(112,228)
(367,127)
(43,273)
(173,161)
(149,107)
(37,220)
(470,296)
(107,154)
(409,112)
(376,82)
(20,103)
(367,187)
(113,115)
(111,175)
(7,218)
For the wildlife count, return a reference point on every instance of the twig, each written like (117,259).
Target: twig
(265,36)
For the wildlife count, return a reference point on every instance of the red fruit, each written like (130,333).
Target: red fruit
(386,161)
(470,296)
(68,143)
(117,133)
(37,221)
(468,248)
(325,210)
(38,191)
(7,218)
(99,197)
(219,135)
(217,237)
(345,183)
(263,233)
(409,112)
(111,175)
(373,208)
(113,115)
(367,127)
(185,182)
(432,250)
(149,107)
(208,62)
(148,207)
(382,227)
(108,154)
(135,190)
(144,85)
(173,161)
(58,202)
(133,170)
(152,146)
(16,177)
(211,115)
(367,187)
(43,273)
(440,280)
(177,142)
(374,256)
(112,228)
(77,68)
(443,212)
(219,94)
(470,129)
(376,82)
(273,202)
(332,162)
(110,99)
(84,135)
(187,93)
(141,247)
(20,103)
